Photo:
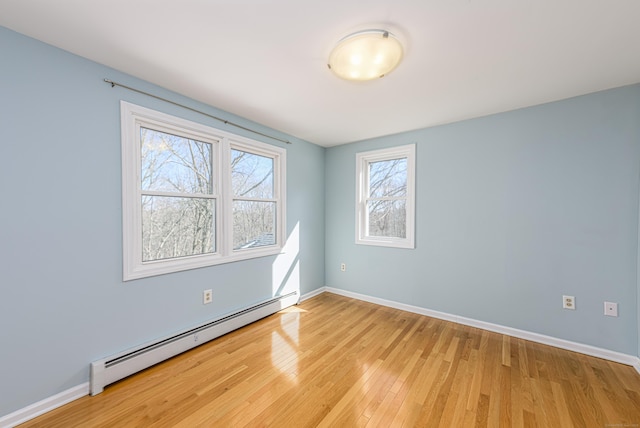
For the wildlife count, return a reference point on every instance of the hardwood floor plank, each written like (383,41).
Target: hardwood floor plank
(559,401)
(339,362)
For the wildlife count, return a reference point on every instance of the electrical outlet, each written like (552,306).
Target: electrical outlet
(611,309)
(343,267)
(207,297)
(569,302)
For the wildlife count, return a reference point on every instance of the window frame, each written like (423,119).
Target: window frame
(132,118)
(363,159)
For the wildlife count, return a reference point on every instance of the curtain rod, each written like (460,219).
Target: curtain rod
(226,122)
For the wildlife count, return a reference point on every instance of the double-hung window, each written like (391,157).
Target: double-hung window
(385,197)
(196,196)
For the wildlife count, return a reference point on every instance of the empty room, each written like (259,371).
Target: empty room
(320,214)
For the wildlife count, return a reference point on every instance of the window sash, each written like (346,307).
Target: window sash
(199,232)
(397,229)
(196,166)
(266,229)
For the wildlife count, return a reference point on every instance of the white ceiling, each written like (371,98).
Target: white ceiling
(265,60)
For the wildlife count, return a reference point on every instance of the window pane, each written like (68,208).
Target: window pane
(251,175)
(177,227)
(175,164)
(253,224)
(387,218)
(388,178)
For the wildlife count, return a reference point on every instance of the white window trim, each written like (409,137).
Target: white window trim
(363,159)
(132,116)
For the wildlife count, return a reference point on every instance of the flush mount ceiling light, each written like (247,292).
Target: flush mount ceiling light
(365,55)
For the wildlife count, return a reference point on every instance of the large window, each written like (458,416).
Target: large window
(196,196)
(385,197)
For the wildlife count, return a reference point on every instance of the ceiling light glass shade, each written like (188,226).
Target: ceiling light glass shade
(365,55)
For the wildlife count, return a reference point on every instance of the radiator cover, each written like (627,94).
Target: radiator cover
(118,366)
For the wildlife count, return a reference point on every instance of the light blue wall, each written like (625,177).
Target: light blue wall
(513,211)
(63,303)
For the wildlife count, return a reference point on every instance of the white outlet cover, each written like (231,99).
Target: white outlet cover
(611,309)
(569,302)
(207,296)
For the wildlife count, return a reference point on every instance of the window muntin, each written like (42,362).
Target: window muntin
(196,196)
(385,197)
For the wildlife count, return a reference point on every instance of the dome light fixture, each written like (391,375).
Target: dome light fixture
(365,55)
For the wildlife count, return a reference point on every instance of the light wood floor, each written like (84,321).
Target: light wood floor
(338,362)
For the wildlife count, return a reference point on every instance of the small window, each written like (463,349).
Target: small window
(196,196)
(386,197)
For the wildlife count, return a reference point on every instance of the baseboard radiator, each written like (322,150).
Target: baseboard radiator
(119,366)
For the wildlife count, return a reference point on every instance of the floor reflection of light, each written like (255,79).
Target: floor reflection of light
(284,344)
(369,396)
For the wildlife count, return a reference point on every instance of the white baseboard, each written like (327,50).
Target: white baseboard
(312,293)
(44,406)
(593,351)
